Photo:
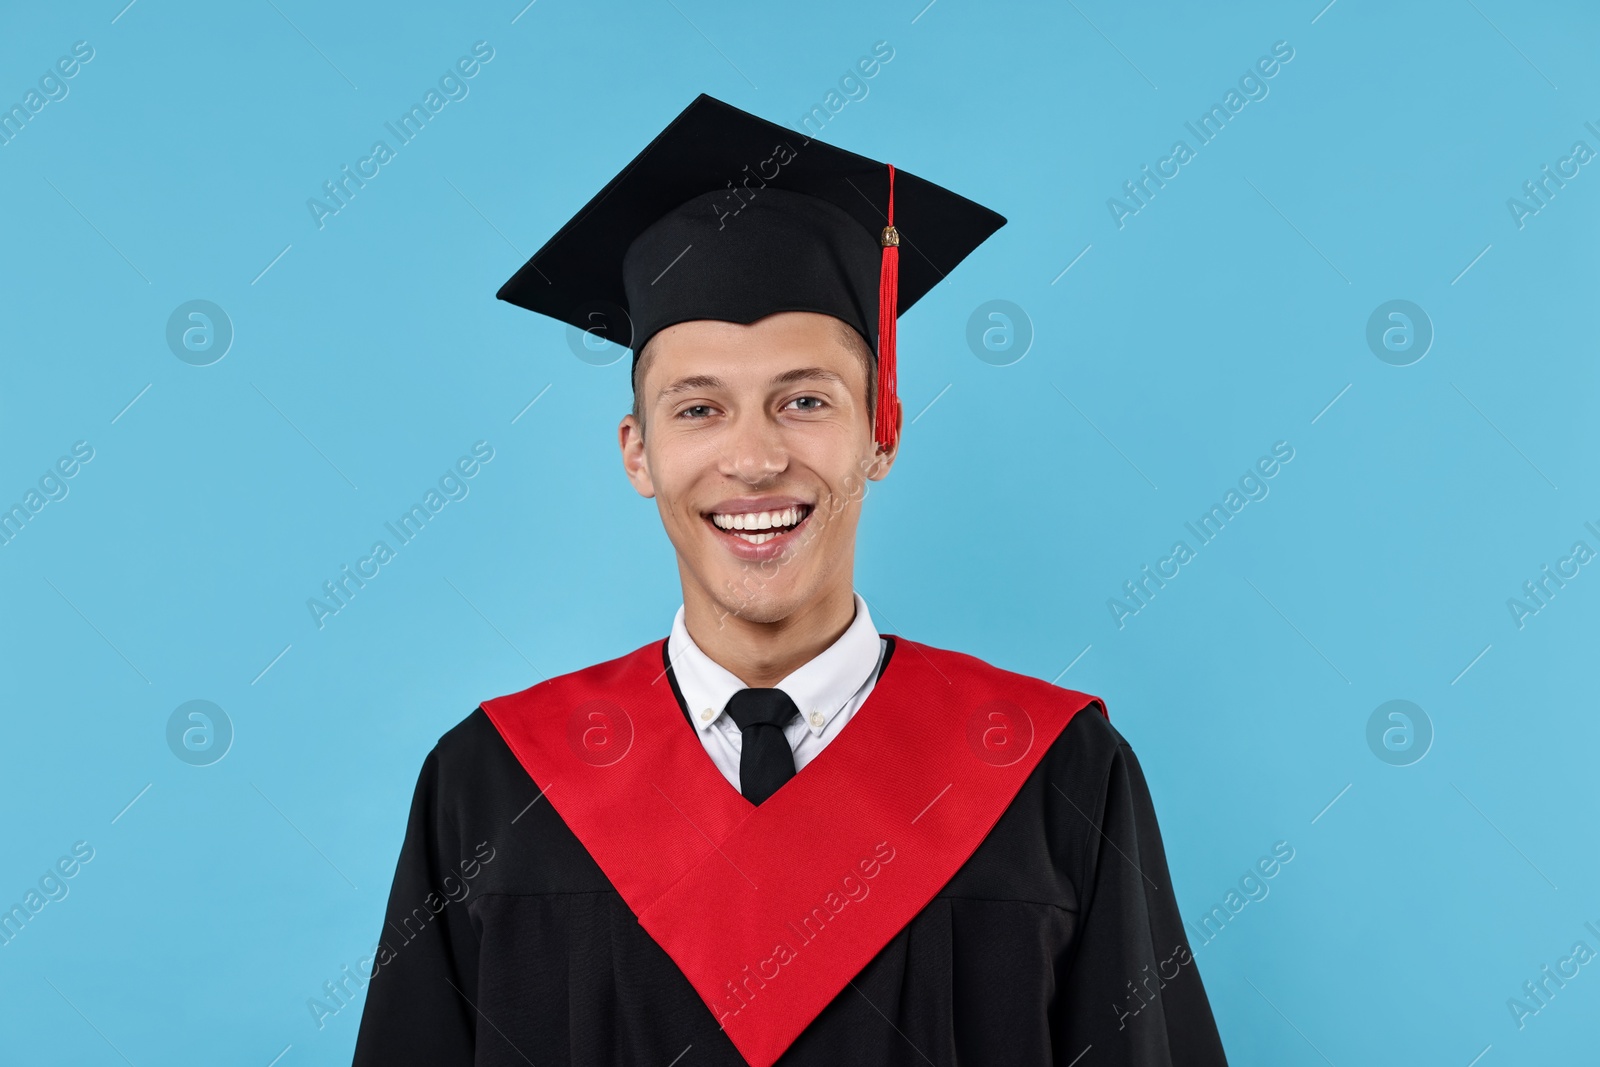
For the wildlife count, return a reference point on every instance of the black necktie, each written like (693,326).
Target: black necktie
(765,759)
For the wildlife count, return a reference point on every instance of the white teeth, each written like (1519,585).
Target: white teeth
(760,520)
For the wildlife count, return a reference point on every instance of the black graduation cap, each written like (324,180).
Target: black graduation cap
(727,216)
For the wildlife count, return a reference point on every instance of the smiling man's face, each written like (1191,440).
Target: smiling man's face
(756,443)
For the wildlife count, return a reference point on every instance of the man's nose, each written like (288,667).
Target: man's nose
(754,450)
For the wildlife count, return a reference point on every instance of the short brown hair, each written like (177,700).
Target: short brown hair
(847,336)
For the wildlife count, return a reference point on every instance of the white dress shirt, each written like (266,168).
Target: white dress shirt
(828,689)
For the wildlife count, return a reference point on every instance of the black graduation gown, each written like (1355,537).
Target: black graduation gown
(1058,942)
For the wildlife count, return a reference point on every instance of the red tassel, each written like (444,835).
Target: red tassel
(884,418)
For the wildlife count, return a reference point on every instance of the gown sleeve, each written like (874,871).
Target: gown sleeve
(1130,989)
(419,1003)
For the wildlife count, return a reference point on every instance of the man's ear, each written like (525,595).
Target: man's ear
(630,438)
(881,460)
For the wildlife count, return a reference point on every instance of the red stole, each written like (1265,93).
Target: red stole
(769,911)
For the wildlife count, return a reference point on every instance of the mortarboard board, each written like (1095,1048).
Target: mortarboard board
(727,216)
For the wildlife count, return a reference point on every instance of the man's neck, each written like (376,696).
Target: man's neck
(761,654)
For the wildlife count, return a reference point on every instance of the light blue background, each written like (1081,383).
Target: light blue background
(1223,317)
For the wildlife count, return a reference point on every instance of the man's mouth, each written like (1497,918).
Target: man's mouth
(759,527)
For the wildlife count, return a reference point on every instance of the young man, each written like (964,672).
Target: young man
(776,836)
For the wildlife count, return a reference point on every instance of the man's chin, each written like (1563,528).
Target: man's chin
(762,611)
(764,605)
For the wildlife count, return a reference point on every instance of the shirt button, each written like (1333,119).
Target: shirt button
(707,715)
(817,719)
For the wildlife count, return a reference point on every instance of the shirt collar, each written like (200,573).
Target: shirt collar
(820,688)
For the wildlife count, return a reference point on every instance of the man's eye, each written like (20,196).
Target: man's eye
(809,403)
(695,411)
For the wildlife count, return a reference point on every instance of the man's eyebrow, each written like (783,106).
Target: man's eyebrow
(788,377)
(806,374)
(689,385)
